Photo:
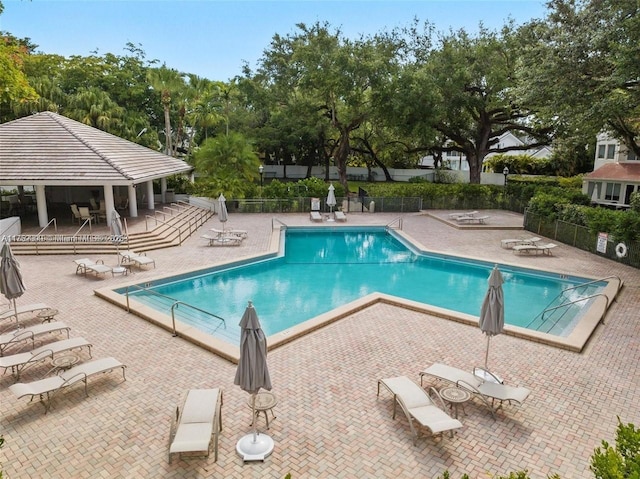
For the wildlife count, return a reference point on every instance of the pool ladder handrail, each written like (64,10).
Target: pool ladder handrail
(173,316)
(397,220)
(173,306)
(566,304)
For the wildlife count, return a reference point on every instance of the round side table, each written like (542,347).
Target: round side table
(265,401)
(62,363)
(455,396)
(47,315)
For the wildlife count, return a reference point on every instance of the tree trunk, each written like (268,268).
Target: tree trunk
(167,131)
(342,154)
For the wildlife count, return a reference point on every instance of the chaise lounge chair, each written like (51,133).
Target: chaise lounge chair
(479,220)
(418,406)
(340,216)
(224,240)
(10,339)
(239,233)
(18,363)
(86,265)
(455,216)
(139,259)
(46,388)
(485,385)
(197,424)
(315,216)
(512,242)
(534,249)
(28,308)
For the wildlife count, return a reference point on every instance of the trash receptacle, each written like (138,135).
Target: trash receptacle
(372,207)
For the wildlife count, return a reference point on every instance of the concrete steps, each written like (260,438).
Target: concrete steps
(168,227)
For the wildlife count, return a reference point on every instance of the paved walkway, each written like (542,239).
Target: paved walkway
(329,423)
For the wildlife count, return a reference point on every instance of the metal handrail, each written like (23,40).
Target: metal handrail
(173,306)
(55,226)
(172,226)
(276,219)
(574,302)
(397,220)
(173,316)
(591,282)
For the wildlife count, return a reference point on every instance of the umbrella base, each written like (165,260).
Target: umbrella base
(255,447)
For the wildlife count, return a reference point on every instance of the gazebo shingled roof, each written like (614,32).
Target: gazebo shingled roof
(50,149)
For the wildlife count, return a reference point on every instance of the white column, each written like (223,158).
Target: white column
(133,201)
(41,203)
(150,200)
(109,205)
(163,190)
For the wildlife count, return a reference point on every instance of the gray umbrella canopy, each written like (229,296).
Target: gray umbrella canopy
(252,375)
(492,311)
(223,215)
(11,283)
(116,231)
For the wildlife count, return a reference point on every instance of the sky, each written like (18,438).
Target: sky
(215,38)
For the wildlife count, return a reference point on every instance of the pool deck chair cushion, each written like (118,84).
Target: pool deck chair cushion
(418,406)
(197,423)
(15,337)
(46,388)
(340,216)
(485,389)
(18,363)
(28,308)
(315,216)
(86,265)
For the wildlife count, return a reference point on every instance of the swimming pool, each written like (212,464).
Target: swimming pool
(321,269)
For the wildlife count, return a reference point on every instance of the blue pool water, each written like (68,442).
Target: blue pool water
(322,269)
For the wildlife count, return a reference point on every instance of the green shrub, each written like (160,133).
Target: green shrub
(621,461)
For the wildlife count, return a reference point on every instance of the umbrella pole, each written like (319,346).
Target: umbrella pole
(15,310)
(486,356)
(253,418)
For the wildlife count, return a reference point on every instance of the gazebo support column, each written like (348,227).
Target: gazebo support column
(133,201)
(109,205)
(163,190)
(150,200)
(41,203)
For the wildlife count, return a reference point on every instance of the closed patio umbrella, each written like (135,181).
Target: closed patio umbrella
(11,283)
(252,375)
(492,311)
(331,199)
(223,215)
(116,231)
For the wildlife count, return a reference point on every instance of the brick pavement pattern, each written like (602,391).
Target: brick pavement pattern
(329,422)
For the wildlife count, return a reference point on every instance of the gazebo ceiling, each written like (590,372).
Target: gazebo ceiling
(50,149)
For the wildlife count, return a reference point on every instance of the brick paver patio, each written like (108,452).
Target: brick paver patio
(329,423)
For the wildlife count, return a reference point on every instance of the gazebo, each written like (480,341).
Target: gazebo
(67,161)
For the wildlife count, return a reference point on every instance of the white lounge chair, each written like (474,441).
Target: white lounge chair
(86,265)
(418,406)
(28,308)
(483,384)
(46,388)
(315,216)
(454,216)
(197,423)
(511,242)
(480,220)
(232,232)
(224,240)
(18,363)
(340,216)
(20,335)
(139,259)
(534,249)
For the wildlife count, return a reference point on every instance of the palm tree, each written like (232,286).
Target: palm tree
(95,107)
(168,82)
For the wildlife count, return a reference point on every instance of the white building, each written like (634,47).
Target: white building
(615,176)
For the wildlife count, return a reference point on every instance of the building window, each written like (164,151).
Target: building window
(601,151)
(612,192)
(631,156)
(611,152)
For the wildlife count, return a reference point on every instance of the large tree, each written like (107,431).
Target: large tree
(462,96)
(328,76)
(582,67)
